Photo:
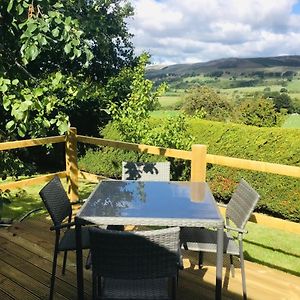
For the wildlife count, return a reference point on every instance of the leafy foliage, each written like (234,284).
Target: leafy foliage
(260,112)
(205,102)
(45,44)
(131,115)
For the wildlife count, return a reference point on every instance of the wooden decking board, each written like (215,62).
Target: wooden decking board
(42,262)
(14,290)
(38,274)
(26,262)
(5,296)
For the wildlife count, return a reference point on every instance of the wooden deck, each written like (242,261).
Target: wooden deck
(26,260)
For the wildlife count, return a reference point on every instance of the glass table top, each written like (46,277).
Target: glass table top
(150,200)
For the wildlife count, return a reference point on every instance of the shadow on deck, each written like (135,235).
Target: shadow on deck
(26,261)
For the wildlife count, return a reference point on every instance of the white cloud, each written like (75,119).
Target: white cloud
(176,31)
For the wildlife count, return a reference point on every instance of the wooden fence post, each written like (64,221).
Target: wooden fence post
(198,166)
(71,164)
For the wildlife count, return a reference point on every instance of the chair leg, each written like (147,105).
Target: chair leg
(54,267)
(174,285)
(64,262)
(95,285)
(200,259)
(243,270)
(231,266)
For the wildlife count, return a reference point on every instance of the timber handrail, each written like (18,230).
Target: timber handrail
(253,165)
(175,153)
(232,162)
(32,142)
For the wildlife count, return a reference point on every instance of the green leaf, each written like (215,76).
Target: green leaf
(41,39)
(22,130)
(38,92)
(68,20)
(10,5)
(31,27)
(57,79)
(55,32)
(20,9)
(6,103)
(10,124)
(15,82)
(58,5)
(68,48)
(32,52)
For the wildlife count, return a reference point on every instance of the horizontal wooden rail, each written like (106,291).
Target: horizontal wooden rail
(136,147)
(231,162)
(253,165)
(31,143)
(31,181)
(91,177)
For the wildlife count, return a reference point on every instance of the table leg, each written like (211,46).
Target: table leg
(79,266)
(220,242)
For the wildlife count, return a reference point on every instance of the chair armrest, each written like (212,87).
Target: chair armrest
(236,229)
(61,226)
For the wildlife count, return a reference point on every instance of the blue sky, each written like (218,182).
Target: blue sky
(187,31)
(296,8)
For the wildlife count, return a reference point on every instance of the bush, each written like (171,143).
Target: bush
(280,195)
(108,161)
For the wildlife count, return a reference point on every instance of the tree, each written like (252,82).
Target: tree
(131,118)
(205,100)
(56,58)
(52,54)
(283,101)
(260,112)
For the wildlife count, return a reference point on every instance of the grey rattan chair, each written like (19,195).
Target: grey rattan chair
(156,171)
(134,265)
(238,211)
(59,207)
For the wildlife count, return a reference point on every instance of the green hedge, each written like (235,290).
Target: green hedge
(280,195)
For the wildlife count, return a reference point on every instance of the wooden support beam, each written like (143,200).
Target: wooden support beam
(198,166)
(72,165)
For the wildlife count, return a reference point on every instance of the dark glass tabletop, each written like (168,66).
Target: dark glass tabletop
(151,203)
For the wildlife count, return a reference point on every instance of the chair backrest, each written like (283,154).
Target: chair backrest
(56,200)
(242,204)
(135,255)
(152,171)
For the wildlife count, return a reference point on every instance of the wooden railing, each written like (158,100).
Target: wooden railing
(198,157)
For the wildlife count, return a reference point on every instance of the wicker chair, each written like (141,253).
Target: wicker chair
(156,171)
(134,265)
(238,211)
(59,207)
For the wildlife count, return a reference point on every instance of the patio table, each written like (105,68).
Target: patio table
(183,204)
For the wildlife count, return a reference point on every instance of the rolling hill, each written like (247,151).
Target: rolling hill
(279,65)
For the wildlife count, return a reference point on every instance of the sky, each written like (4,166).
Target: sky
(189,31)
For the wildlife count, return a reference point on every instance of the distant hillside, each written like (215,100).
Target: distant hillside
(233,66)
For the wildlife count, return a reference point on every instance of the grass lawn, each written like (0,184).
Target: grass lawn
(167,101)
(274,248)
(293,121)
(164,113)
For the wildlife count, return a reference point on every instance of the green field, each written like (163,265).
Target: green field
(293,121)
(169,101)
(164,113)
